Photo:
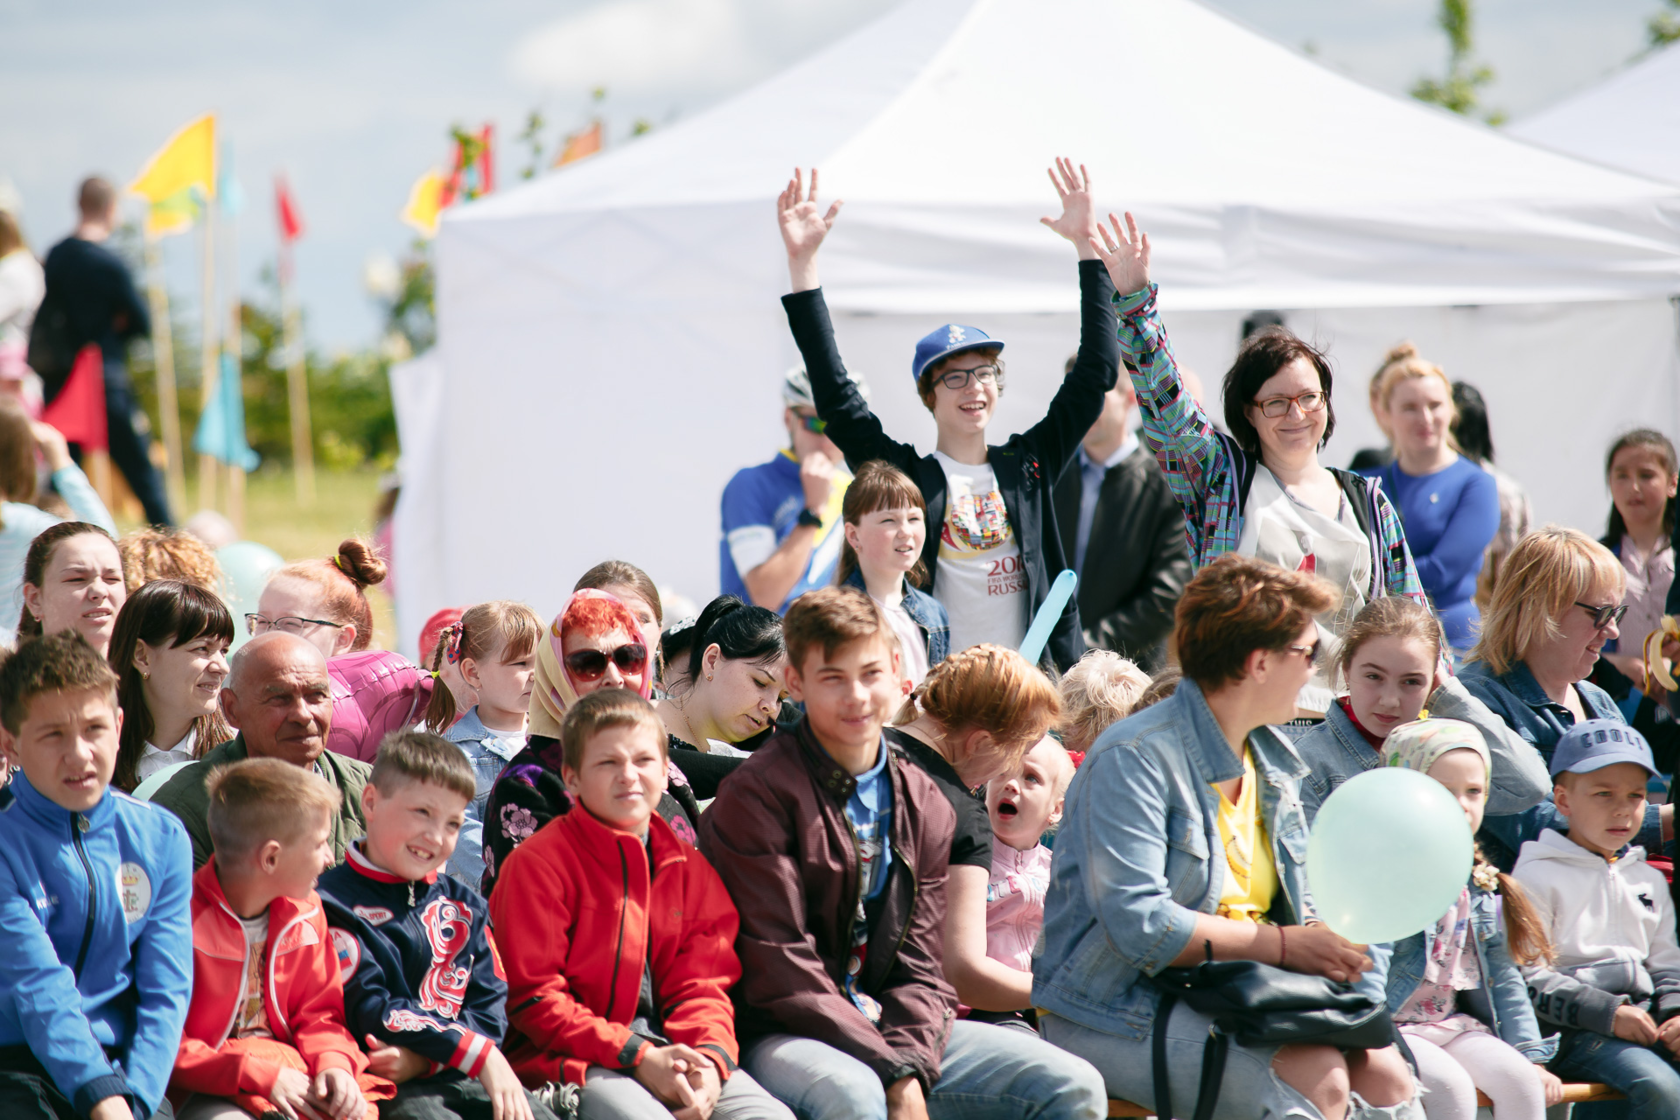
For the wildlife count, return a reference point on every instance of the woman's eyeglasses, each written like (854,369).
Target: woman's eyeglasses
(289,624)
(589,664)
(1604,616)
(1275,407)
(959,378)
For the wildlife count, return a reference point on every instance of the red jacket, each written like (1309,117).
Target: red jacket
(578,917)
(303,996)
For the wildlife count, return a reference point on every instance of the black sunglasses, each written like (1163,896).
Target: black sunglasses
(589,664)
(1604,616)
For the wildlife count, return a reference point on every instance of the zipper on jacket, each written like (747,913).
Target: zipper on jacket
(623,917)
(915,896)
(76,829)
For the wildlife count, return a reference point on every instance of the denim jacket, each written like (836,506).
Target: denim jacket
(488,753)
(925,611)
(1502,1000)
(1335,751)
(1138,857)
(1517,698)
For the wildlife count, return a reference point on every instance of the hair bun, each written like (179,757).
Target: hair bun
(1400,353)
(358,560)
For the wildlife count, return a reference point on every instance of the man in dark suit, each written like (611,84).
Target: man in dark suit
(1123,529)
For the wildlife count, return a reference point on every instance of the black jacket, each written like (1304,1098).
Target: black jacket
(1136,563)
(1026,467)
(94,289)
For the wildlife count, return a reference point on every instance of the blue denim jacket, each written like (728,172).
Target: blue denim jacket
(1517,698)
(488,753)
(1138,857)
(1502,1000)
(925,611)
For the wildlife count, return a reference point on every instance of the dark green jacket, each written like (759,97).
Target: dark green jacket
(184,795)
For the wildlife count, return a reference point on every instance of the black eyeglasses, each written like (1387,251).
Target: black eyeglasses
(589,664)
(1309,652)
(1274,407)
(959,378)
(1604,616)
(289,624)
(812,423)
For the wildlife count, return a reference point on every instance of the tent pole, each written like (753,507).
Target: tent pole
(163,353)
(209,353)
(297,387)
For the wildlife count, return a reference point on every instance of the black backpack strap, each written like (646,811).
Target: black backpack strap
(1158,1056)
(1213,1072)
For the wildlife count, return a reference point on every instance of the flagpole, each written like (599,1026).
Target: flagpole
(232,345)
(163,353)
(209,355)
(297,384)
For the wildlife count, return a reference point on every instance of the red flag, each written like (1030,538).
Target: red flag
(79,409)
(291,222)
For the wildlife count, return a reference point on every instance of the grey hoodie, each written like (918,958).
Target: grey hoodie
(1612,926)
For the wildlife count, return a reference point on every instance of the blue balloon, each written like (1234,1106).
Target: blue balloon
(1388,855)
(246,566)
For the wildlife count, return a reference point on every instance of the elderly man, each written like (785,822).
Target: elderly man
(277,696)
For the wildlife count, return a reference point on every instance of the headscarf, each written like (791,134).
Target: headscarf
(552,692)
(1420,744)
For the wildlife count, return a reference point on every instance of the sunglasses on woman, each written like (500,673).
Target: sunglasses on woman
(589,664)
(1604,616)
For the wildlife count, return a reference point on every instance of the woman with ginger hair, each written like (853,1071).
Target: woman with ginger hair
(323,601)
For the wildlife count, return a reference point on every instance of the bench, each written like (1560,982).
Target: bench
(1572,1094)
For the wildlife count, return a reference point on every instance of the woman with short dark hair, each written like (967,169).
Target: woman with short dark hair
(1184,836)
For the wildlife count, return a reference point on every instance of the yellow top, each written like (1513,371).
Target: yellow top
(1251,880)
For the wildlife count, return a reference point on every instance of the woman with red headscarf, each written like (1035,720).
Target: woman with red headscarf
(595,643)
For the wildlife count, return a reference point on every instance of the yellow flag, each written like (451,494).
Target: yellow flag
(181,173)
(425,203)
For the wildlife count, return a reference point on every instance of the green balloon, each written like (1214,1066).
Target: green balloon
(246,566)
(1388,855)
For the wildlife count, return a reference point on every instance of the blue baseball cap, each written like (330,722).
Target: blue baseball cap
(952,338)
(1594,744)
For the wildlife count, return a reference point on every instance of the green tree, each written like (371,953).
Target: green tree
(1460,89)
(1664,27)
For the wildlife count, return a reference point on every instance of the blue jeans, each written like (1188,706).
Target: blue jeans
(987,1073)
(1645,1076)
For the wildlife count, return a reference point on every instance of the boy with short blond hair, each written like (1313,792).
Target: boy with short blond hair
(266,1030)
(94,890)
(620,939)
(424,988)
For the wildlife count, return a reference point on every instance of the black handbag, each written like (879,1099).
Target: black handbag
(1259,1005)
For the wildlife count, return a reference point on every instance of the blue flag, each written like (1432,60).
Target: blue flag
(221,428)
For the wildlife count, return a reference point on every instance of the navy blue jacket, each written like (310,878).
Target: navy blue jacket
(420,969)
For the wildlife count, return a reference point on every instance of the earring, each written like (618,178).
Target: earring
(708,676)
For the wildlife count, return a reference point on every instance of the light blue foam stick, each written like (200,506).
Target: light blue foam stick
(1032,647)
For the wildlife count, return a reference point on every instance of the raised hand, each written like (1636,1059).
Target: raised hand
(1078,222)
(1125,254)
(804,226)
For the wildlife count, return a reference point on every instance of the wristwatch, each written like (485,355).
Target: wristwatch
(806,517)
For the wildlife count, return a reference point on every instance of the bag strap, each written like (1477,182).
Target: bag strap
(1158,1056)
(1213,1072)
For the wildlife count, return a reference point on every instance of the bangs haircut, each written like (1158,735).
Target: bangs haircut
(829,618)
(262,799)
(53,663)
(924,383)
(596,615)
(876,486)
(1392,616)
(1548,572)
(603,710)
(1264,353)
(503,624)
(419,756)
(1237,605)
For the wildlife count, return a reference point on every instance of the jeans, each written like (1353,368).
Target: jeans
(130,446)
(988,1073)
(611,1095)
(448,1098)
(1646,1077)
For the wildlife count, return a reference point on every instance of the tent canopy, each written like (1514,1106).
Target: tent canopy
(610,337)
(1630,120)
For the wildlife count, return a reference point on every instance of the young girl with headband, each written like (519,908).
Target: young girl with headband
(1455,990)
(495,647)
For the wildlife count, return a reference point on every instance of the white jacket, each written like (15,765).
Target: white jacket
(1612,925)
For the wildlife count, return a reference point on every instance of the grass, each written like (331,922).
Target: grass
(343,507)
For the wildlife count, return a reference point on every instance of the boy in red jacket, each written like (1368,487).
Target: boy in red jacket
(618,939)
(266,1030)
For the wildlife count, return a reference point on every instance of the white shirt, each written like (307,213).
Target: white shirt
(153,759)
(1648,581)
(912,645)
(980,580)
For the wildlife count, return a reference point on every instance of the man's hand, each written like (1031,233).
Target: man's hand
(507,1095)
(1125,254)
(1318,950)
(1633,1025)
(1078,222)
(111,1108)
(707,1086)
(291,1096)
(816,477)
(663,1072)
(1669,1035)
(54,451)
(905,1100)
(804,226)
(336,1095)
(394,1063)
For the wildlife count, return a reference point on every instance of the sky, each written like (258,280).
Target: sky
(352,100)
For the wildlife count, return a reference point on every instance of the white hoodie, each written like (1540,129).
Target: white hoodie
(1612,925)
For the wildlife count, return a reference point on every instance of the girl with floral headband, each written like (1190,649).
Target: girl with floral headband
(595,642)
(1455,990)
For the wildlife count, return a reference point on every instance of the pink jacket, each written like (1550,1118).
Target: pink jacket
(1015,903)
(373,692)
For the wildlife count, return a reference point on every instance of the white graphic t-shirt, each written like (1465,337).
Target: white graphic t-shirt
(251,1019)
(980,579)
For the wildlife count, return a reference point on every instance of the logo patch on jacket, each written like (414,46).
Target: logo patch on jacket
(448,929)
(348,950)
(1650,903)
(372,915)
(134,887)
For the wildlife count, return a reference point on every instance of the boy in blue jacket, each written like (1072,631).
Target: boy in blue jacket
(423,987)
(95,891)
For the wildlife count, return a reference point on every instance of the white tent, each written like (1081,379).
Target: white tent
(611,341)
(1629,121)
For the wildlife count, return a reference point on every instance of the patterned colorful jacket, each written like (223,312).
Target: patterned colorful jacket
(1206,468)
